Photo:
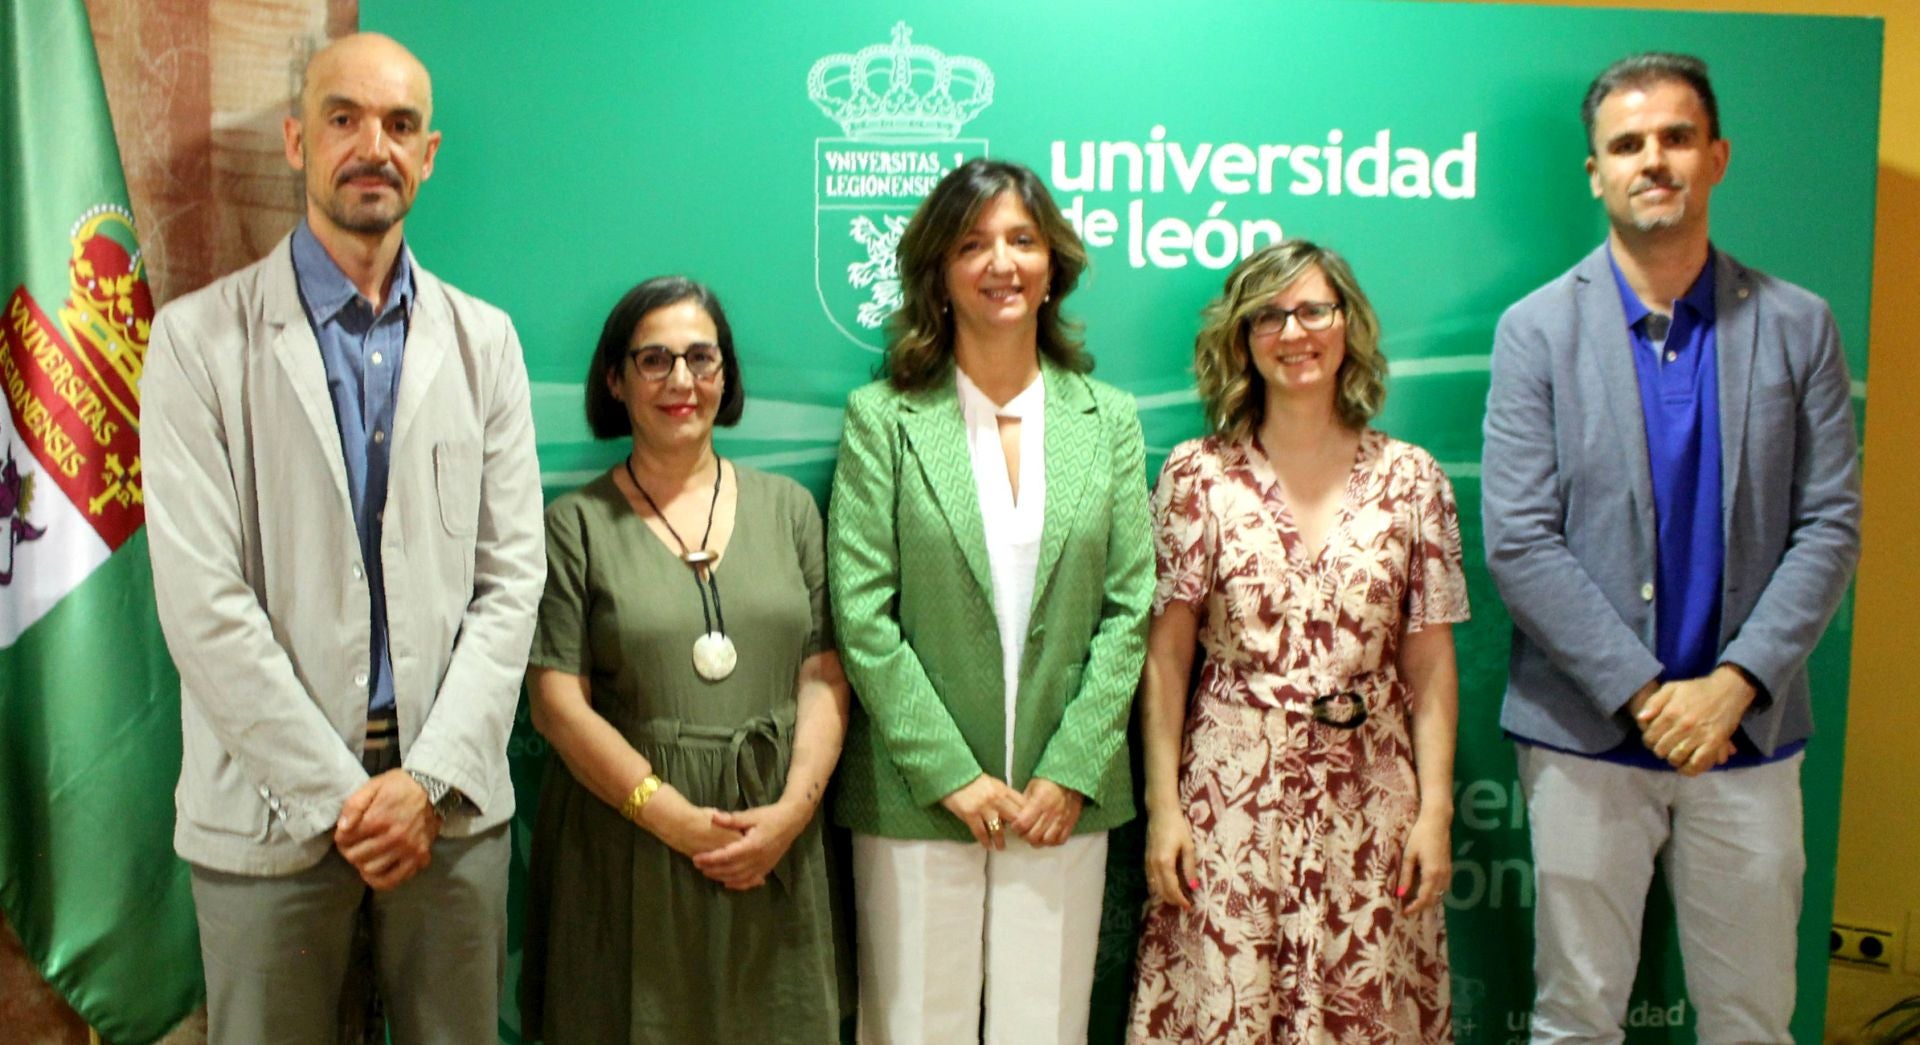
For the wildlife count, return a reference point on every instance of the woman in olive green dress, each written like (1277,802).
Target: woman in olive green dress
(679,885)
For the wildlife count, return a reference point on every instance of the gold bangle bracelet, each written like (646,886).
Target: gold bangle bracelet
(638,799)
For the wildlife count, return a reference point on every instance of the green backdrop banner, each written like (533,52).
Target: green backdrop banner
(775,151)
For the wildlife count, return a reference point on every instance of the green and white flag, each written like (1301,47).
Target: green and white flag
(89,703)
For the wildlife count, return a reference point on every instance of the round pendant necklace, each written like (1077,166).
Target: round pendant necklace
(713,654)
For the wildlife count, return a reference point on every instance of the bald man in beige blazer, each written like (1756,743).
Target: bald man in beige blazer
(343,505)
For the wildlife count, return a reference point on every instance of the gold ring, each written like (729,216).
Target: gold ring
(993,825)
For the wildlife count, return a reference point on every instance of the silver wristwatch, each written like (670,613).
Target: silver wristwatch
(440,794)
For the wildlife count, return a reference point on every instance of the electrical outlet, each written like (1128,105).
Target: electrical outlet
(1869,946)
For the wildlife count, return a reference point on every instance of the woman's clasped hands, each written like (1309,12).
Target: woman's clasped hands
(1044,815)
(738,850)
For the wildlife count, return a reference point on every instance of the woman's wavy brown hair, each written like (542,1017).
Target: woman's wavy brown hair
(921,350)
(1233,392)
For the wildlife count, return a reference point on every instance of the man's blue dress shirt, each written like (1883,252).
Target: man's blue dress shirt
(361,352)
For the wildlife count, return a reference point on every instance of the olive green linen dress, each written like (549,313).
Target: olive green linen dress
(626,939)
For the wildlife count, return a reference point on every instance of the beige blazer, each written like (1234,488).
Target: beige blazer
(257,573)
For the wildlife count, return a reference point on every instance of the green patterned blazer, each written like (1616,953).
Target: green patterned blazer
(913,605)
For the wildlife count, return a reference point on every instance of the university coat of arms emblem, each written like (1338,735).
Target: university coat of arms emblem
(900,107)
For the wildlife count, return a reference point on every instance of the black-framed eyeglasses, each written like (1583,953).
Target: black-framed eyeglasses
(1340,710)
(655,362)
(1312,315)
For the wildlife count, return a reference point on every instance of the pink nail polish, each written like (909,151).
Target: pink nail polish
(1193,883)
(1402,891)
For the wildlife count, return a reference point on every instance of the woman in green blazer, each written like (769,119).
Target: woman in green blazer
(991,567)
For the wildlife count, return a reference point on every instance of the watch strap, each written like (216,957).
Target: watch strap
(440,794)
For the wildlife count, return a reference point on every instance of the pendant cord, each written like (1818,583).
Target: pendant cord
(714,587)
(708,583)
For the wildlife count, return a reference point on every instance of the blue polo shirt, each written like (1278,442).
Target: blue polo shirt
(360,350)
(1679,375)
(1680,401)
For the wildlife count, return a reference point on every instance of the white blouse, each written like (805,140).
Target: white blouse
(1012,527)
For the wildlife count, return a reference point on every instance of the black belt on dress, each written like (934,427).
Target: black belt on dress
(1340,710)
(1346,709)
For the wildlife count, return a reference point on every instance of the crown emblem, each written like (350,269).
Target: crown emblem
(110,307)
(900,91)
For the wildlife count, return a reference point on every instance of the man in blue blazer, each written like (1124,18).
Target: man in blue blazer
(1671,499)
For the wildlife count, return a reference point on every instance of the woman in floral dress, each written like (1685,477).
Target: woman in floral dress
(1299,802)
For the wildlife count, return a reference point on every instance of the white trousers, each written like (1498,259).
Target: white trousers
(937,920)
(1730,844)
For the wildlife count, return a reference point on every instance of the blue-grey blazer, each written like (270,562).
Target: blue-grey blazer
(1567,500)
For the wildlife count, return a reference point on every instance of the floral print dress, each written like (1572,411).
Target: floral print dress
(1299,826)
